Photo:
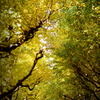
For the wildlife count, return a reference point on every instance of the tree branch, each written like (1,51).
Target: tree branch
(40,54)
(28,35)
(36,83)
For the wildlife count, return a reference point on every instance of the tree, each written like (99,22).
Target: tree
(20,22)
(80,48)
(64,34)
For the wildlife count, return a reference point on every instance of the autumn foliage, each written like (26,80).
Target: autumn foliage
(49,50)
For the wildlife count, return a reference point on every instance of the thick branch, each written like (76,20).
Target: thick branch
(36,83)
(27,34)
(24,78)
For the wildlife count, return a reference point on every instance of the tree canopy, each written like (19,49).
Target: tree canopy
(49,50)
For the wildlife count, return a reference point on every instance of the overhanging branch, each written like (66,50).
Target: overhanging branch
(36,83)
(28,35)
(19,83)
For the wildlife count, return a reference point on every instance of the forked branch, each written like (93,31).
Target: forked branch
(19,83)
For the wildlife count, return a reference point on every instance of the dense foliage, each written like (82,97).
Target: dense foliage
(49,50)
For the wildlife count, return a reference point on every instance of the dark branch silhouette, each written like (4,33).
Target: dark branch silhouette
(36,83)
(28,34)
(19,83)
